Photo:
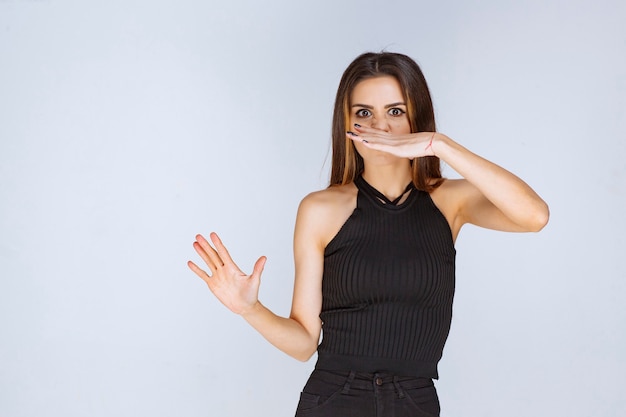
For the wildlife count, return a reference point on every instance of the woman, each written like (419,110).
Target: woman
(374,252)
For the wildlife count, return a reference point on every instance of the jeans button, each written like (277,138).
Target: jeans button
(379,381)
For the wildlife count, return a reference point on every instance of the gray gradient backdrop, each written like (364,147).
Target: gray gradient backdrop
(128,126)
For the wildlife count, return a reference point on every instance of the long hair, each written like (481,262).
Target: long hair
(347,164)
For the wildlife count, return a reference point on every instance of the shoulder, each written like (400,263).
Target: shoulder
(332,197)
(322,213)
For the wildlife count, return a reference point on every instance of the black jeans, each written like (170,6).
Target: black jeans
(345,394)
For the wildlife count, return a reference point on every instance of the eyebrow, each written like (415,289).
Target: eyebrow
(367,106)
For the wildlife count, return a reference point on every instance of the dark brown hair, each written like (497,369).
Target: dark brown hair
(347,164)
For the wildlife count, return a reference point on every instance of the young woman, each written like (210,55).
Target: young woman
(374,252)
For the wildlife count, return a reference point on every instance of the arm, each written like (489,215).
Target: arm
(489,196)
(297,335)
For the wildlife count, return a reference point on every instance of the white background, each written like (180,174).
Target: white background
(126,127)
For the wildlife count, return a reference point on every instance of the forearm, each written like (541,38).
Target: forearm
(512,196)
(286,334)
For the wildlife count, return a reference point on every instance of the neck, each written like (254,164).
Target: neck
(390,180)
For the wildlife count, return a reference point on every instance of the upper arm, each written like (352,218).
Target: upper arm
(309,267)
(320,216)
(461,202)
(476,209)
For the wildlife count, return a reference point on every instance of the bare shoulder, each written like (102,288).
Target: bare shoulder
(323,212)
(335,195)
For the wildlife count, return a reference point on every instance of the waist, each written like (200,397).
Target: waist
(368,381)
(368,365)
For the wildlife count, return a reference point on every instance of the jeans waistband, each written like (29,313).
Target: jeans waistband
(371,381)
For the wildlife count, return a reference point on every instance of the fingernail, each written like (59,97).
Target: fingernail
(351,133)
(357,125)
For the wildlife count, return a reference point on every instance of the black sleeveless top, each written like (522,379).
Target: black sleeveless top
(388,286)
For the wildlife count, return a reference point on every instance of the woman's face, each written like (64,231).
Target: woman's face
(378,103)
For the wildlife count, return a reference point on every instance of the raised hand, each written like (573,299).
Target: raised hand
(236,290)
(407,145)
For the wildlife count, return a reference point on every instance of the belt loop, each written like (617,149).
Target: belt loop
(399,389)
(346,386)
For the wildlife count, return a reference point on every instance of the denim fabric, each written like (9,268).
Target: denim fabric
(345,394)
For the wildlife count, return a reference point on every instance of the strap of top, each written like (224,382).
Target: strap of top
(368,189)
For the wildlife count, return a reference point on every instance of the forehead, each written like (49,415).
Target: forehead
(384,89)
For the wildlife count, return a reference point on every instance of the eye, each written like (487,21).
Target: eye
(363,113)
(396,112)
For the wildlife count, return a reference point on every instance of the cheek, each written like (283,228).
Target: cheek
(401,126)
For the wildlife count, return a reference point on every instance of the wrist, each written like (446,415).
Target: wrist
(438,144)
(429,145)
(251,311)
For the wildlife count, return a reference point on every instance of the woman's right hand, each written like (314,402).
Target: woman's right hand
(236,290)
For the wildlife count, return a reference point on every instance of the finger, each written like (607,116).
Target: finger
(387,141)
(367,140)
(377,136)
(221,250)
(203,249)
(378,146)
(215,257)
(355,138)
(198,271)
(366,129)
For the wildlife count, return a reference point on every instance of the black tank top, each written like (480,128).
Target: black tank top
(388,286)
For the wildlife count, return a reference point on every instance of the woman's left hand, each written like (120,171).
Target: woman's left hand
(406,145)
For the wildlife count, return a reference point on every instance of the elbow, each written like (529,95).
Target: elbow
(303,358)
(306,350)
(306,354)
(540,218)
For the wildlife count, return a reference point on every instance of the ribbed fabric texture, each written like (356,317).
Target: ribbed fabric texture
(388,287)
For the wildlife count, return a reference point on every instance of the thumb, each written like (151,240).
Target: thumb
(259,265)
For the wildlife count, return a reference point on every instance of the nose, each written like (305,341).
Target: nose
(380,123)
